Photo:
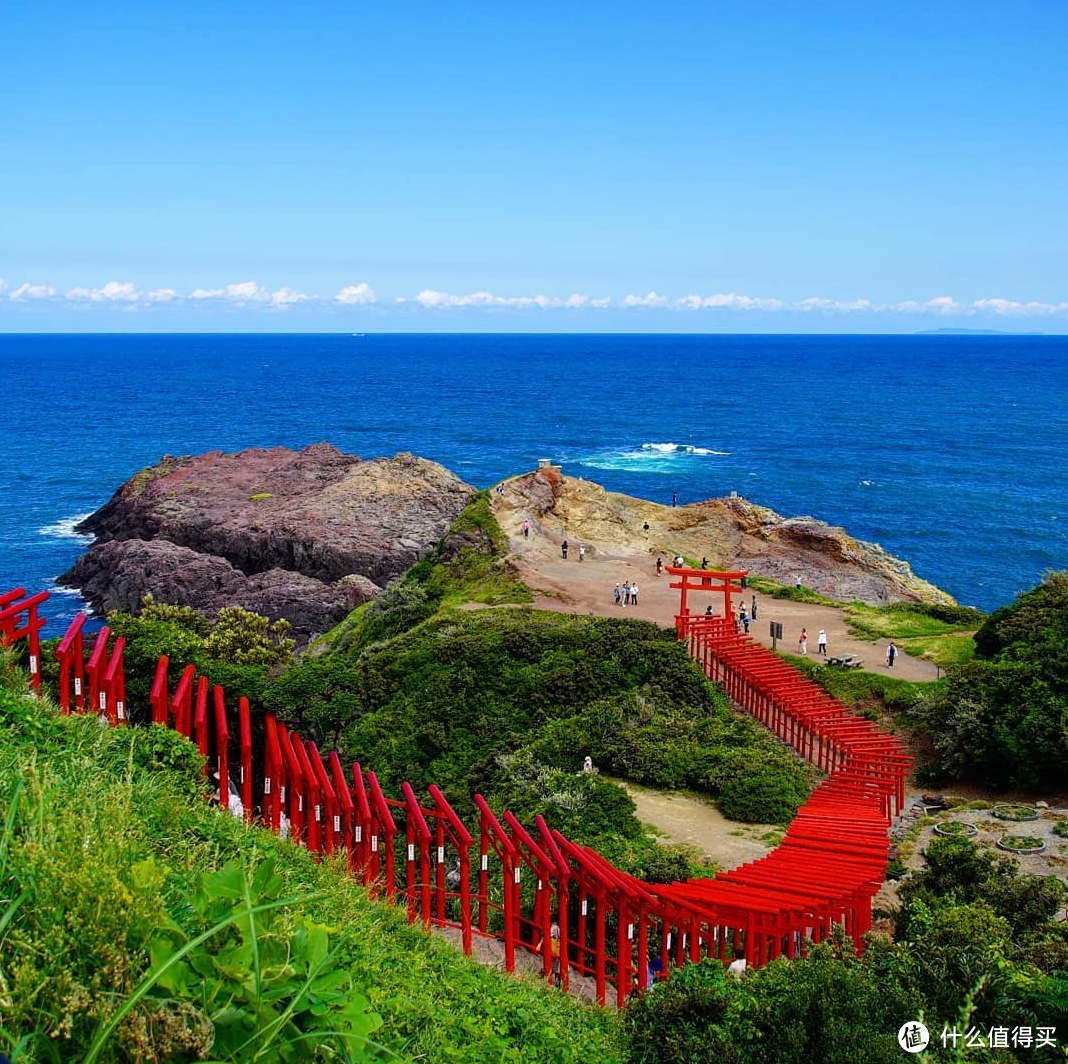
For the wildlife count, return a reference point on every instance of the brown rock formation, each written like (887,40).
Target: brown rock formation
(303,535)
(730,532)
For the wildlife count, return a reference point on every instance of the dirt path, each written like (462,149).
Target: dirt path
(574,586)
(681,818)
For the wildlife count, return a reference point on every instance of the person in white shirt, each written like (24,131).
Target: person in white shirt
(737,966)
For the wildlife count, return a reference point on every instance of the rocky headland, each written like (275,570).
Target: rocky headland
(731,532)
(310,535)
(304,535)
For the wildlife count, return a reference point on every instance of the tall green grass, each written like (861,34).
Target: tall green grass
(140,923)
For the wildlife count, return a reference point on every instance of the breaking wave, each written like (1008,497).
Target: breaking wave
(64,529)
(651,458)
(680,448)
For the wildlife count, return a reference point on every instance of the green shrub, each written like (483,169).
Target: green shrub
(690,1019)
(766,795)
(1003,718)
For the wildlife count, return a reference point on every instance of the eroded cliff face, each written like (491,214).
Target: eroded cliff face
(305,535)
(731,532)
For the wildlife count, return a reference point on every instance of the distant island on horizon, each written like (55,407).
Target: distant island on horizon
(976,332)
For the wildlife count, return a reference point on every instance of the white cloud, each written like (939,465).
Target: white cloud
(1010,308)
(286,297)
(32,291)
(112,292)
(432,299)
(650,300)
(818,303)
(243,292)
(161,295)
(733,301)
(354,294)
(3,284)
(942,305)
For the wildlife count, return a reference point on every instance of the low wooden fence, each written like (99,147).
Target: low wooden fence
(614,929)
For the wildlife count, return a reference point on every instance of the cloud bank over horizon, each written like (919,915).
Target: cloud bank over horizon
(250,295)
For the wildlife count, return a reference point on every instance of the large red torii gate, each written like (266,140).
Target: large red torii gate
(723,581)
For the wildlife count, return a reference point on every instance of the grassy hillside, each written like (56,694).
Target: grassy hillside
(509,701)
(112,865)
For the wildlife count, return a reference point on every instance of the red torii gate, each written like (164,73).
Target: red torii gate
(722,581)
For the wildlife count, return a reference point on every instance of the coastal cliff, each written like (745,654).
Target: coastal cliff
(732,533)
(308,536)
(305,535)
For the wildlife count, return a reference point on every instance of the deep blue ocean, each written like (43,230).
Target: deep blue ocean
(950,451)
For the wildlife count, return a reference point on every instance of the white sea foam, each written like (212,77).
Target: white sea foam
(680,448)
(70,592)
(669,458)
(64,529)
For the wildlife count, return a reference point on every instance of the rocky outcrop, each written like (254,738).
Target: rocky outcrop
(731,532)
(303,535)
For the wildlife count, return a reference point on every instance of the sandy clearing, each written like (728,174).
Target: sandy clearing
(698,823)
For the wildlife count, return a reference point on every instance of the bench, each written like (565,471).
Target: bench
(846,661)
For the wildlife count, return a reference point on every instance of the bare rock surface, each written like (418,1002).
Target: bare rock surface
(305,535)
(731,533)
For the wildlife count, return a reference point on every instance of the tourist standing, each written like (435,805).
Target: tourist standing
(891,654)
(752,612)
(526,530)
(582,553)
(563,550)
(802,642)
(821,643)
(744,618)
(634,594)
(617,595)
(659,566)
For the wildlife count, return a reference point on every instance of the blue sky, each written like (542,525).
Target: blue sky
(704,167)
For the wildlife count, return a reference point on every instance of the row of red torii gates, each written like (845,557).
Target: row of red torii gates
(615,930)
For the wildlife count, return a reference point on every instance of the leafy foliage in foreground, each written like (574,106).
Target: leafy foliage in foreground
(139,923)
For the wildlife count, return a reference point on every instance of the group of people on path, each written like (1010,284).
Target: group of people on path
(626,594)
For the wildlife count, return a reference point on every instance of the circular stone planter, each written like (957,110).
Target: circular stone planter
(1015,812)
(956,829)
(1021,844)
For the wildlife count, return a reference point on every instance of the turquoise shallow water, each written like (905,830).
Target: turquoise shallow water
(950,451)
